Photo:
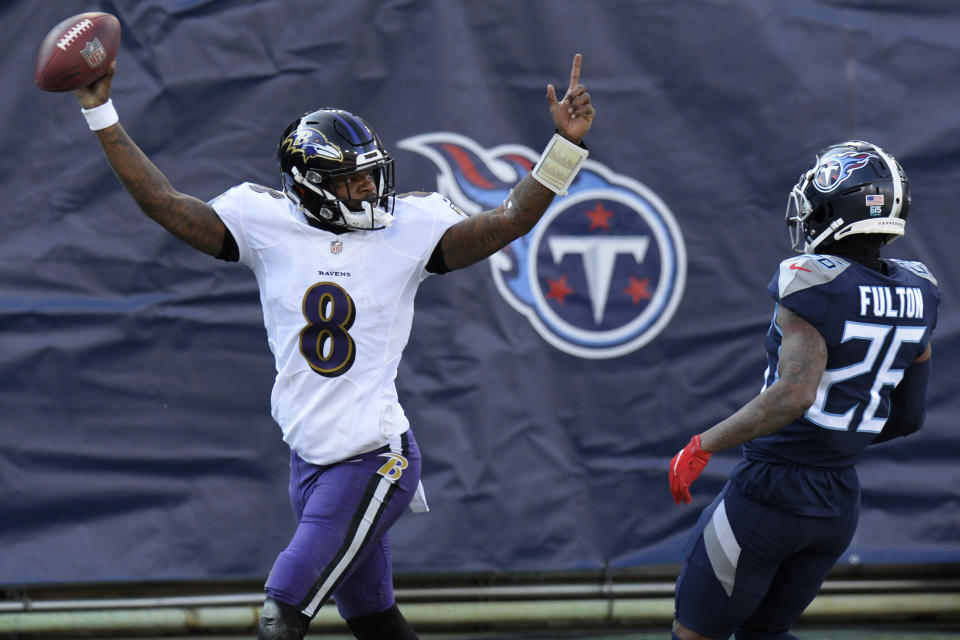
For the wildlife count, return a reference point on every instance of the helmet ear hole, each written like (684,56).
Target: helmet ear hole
(821,213)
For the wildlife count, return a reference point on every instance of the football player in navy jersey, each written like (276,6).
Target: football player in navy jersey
(848,352)
(338,257)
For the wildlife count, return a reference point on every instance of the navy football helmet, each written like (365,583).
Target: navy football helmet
(331,144)
(852,187)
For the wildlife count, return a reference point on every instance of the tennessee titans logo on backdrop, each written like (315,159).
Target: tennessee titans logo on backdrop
(833,170)
(602,272)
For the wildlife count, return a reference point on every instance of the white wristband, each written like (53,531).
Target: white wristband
(559,164)
(102,116)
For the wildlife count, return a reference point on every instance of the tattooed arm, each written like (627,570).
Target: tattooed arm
(483,234)
(803,359)
(487,232)
(188,218)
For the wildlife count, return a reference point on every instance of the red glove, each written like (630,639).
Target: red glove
(685,468)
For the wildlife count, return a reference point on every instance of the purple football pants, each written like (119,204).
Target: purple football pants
(341,547)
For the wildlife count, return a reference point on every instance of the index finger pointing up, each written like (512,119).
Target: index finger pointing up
(575,71)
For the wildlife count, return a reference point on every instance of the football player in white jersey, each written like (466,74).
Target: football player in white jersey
(338,257)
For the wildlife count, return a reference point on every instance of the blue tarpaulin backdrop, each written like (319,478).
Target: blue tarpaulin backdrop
(548,387)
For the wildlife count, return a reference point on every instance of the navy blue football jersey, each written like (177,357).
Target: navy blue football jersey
(874,325)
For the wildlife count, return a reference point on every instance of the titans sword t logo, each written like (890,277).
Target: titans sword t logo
(602,272)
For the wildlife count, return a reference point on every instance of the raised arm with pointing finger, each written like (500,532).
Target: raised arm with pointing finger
(332,248)
(196,223)
(485,233)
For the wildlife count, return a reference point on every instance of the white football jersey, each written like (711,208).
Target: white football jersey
(338,309)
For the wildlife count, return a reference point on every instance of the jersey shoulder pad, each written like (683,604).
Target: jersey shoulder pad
(808,270)
(257,216)
(916,268)
(259,188)
(416,194)
(429,201)
(245,191)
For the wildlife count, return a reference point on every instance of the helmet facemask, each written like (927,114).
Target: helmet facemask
(798,210)
(355,212)
(802,222)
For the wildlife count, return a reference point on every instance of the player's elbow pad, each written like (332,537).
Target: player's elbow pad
(908,403)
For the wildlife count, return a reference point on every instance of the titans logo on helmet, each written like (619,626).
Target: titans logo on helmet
(834,169)
(602,272)
(311,143)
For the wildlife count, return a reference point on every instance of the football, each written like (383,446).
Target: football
(77,52)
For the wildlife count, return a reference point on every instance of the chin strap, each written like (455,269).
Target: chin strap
(812,245)
(379,219)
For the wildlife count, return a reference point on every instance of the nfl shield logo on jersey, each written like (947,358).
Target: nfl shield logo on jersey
(336,246)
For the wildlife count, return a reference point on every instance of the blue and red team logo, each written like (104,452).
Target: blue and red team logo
(602,272)
(834,169)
